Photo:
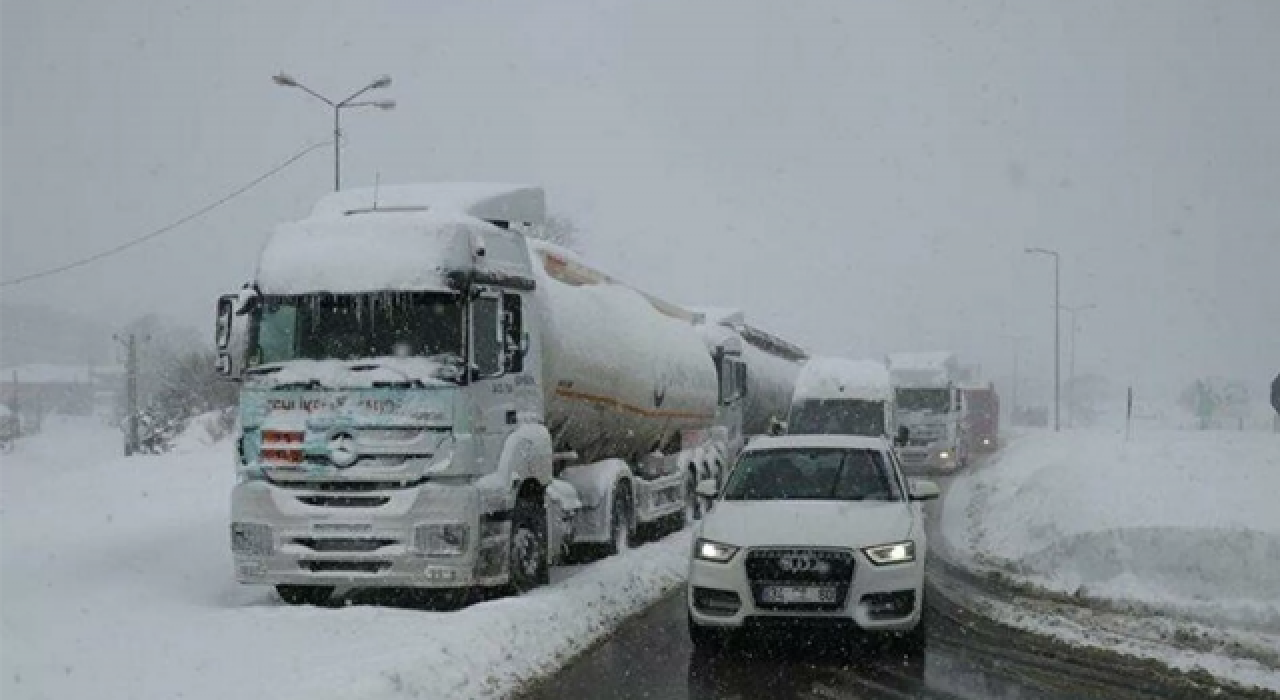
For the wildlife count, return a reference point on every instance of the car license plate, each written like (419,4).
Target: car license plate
(797,594)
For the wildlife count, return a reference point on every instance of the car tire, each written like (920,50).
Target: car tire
(913,642)
(707,640)
(305,595)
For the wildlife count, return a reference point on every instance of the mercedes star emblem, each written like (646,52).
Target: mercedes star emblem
(342,450)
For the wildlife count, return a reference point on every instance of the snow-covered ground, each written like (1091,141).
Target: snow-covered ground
(116,583)
(1182,526)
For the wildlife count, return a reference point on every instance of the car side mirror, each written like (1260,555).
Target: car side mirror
(924,490)
(708,488)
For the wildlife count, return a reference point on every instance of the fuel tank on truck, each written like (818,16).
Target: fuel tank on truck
(623,373)
(771,381)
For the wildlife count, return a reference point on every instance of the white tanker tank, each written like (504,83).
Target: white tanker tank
(623,374)
(773,365)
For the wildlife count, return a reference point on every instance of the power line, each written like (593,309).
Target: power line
(169,227)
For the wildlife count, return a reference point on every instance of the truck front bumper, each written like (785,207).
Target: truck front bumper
(430,536)
(929,459)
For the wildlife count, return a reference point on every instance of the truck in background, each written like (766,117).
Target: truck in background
(433,400)
(930,407)
(836,396)
(982,417)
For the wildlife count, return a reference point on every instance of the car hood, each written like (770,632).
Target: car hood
(815,523)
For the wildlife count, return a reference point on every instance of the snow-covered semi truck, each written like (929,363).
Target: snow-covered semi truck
(929,405)
(431,399)
(836,396)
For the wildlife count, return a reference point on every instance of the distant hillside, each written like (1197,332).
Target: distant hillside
(31,334)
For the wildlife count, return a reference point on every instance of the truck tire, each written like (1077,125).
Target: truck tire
(304,595)
(622,532)
(528,551)
(693,502)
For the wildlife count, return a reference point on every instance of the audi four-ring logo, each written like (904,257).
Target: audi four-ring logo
(804,565)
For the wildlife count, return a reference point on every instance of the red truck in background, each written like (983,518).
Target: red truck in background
(982,418)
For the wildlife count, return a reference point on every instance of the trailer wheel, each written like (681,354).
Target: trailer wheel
(528,564)
(622,533)
(305,595)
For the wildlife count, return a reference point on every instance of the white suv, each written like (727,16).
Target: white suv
(810,530)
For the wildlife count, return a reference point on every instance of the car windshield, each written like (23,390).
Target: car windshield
(837,417)
(927,400)
(358,326)
(826,474)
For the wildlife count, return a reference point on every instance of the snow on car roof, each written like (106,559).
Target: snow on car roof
(482,200)
(376,251)
(853,442)
(837,377)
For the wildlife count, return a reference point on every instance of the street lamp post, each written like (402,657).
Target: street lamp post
(286,80)
(1057,332)
(1071,362)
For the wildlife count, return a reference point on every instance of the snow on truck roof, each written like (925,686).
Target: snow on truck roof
(836,378)
(383,251)
(482,200)
(921,361)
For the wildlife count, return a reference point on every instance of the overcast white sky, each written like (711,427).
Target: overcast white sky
(860,177)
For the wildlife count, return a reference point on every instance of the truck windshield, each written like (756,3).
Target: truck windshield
(837,417)
(927,400)
(358,326)
(827,474)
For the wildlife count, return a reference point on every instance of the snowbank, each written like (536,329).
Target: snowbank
(117,584)
(1184,523)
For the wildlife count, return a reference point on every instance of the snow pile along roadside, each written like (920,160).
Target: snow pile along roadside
(1183,522)
(117,583)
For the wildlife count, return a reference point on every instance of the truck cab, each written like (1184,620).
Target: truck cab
(930,411)
(835,396)
(390,410)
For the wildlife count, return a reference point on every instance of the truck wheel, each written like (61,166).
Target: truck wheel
(621,533)
(528,563)
(692,501)
(304,595)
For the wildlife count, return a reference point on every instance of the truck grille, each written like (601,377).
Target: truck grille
(355,567)
(344,544)
(800,567)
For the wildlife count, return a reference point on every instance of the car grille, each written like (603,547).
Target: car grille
(800,567)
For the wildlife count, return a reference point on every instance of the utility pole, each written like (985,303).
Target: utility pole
(1013,416)
(1057,333)
(1071,371)
(131,438)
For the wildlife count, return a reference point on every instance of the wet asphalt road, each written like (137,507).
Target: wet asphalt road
(651,657)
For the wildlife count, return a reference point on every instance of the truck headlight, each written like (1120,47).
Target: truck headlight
(252,539)
(944,455)
(718,552)
(893,553)
(441,539)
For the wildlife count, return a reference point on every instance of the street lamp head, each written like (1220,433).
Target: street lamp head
(284,79)
(383,81)
(385,104)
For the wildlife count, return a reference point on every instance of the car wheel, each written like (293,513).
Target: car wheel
(305,595)
(706,640)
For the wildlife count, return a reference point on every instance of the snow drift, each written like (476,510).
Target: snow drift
(117,584)
(1179,522)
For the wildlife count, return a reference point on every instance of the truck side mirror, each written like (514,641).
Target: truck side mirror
(904,436)
(228,335)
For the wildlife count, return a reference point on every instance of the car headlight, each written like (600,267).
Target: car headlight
(441,540)
(718,552)
(986,441)
(893,553)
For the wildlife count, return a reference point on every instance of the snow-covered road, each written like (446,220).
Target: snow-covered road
(117,583)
